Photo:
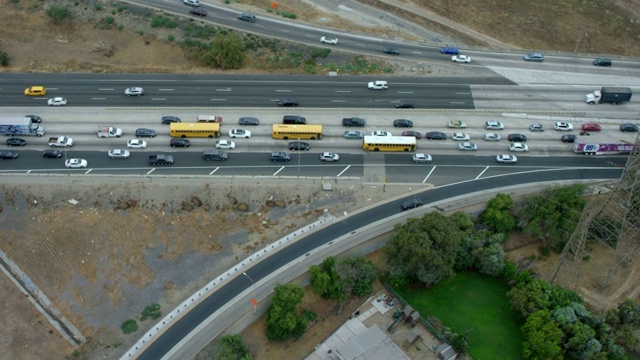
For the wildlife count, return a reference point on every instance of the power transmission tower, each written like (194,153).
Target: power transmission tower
(611,224)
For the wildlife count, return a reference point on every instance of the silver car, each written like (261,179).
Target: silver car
(467,146)
(491,137)
(118,154)
(506,159)
(353,134)
(536,127)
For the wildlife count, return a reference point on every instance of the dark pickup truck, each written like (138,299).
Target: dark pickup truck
(160,159)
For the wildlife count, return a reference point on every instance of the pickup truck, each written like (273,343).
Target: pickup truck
(160,159)
(61,141)
(109,131)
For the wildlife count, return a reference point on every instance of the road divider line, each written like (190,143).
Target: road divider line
(150,171)
(429,174)
(166,89)
(218,99)
(98,98)
(106,89)
(283,91)
(276,173)
(343,171)
(158,99)
(214,170)
(483,171)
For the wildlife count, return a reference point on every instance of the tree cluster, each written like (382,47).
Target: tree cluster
(283,321)
(558,325)
(337,279)
(552,215)
(433,247)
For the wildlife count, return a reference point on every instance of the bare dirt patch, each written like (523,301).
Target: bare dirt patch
(128,243)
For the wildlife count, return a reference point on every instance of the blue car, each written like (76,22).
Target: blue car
(449,50)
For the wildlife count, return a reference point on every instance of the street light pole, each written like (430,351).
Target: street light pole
(254,302)
(298,162)
(249,277)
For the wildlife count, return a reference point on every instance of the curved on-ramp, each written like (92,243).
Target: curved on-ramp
(181,331)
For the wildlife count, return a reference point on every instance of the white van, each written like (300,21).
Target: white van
(191,2)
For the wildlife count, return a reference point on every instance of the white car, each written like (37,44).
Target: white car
(506,159)
(134,91)
(75,163)
(380,133)
(460,137)
(421,158)
(57,101)
(520,147)
(491,137)
(536,127)
(329,156)
(329,40)
(461,58)
(118,154)
(225,144)
(378,85)
(563,126)
(239,133)
(136,144)
(467,146)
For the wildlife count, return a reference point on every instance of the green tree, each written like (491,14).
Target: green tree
(282,321)
(481,250)
(423,249)
(338,279)
(542,337)
(232,347)
(498,214)
(227,52)
(581,342)
(553,215)
(463,222)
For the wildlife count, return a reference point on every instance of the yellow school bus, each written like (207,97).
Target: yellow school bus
(389,143)
(183,130)
(306,132)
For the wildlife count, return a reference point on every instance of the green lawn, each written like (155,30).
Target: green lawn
(471,300)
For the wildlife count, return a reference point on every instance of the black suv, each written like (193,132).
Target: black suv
(299,145)
(436,135)
(52,154)
(248,121)
(178,142)
(16,142)
(404,105)
(517,138)
(628,127)
(34,118)
(215,155)
(349,122)
(8,154)
(280,156)
(287,103)
(568,138)
(403,123)
(391,51)
(411,204)
(170,119)
(142,132)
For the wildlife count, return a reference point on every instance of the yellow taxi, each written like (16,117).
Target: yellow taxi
(35,91)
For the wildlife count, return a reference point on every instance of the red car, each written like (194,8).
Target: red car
(198,12)
(591,127)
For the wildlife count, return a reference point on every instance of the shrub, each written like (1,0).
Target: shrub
(288,15)
(171,37)
(129,326)
(58,14)
(151,311)
(4,59)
